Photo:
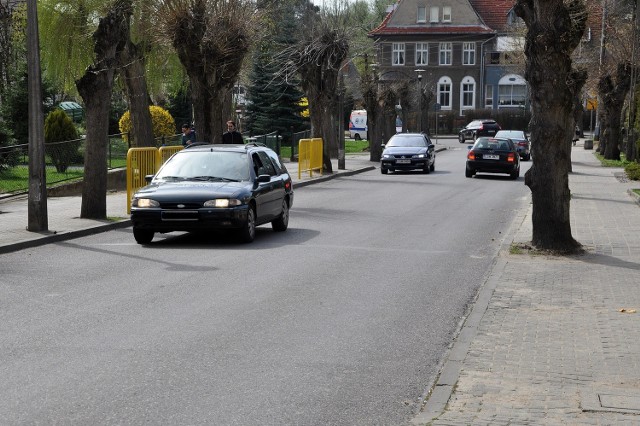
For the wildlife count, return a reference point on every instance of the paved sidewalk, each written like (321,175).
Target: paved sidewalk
(555,340)
(63,213)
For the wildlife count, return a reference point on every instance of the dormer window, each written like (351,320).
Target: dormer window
(446,14)
(435,11)
(422,14)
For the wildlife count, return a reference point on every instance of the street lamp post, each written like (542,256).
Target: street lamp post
(420,71)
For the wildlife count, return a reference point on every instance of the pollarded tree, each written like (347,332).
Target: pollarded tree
(554,30)
(211,38)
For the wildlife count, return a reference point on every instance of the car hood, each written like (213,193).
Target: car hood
(192,190)
(407,150)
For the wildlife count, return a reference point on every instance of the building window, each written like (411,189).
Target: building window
(422,14)
(488,96)
(467,93)
(398,54)
(511,95)
(512,91)
(468,53)
(422,53)
(445,53)
(446,14)
(444,93)
(435,11)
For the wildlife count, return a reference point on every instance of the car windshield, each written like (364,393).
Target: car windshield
(407,141)
(206,165)
(510,134)
(493,144)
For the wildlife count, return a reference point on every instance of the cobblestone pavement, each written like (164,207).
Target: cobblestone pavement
(555,339)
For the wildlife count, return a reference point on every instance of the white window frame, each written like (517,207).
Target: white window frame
(445,89)
(468,53)
(488,96)
(422,53)
(467,88)
(397,54)
(434,14)
(422,15)
(446,14)
(445,53)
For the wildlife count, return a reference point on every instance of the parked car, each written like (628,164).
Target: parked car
(493,155)
(408,151)
(520,139)
(477,128)
(212,187)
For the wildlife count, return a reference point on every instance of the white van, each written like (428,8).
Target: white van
(358,124)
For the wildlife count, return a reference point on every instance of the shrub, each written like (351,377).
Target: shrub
(8,156)
(61,140)
(163,123)
(633,170)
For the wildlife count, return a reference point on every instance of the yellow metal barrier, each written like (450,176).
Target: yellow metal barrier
(167,151)
(309,156)
(142,162)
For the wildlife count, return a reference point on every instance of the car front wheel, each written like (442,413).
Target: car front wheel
(248,231)
(282,222)
(143,236)
(461,138)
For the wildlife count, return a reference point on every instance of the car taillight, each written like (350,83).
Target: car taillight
(481,127)
(511,157)
(287,185)
(471,156)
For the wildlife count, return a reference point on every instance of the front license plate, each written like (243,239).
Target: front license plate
(491,157)
(403,161)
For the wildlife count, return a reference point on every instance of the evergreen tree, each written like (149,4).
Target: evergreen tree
(273,102)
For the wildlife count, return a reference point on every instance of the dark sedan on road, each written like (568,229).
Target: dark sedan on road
(213,187)
(408,151)
(478,128)
(493,155)
(520,139)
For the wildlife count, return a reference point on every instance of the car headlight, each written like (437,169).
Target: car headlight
(223,203)
(423,155)
(144,203)
(387,156)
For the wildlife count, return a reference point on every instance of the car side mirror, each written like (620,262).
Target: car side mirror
(264,178)
(382,145)
(148,178)
(469,147)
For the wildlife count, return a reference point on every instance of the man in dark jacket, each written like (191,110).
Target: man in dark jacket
(231,135)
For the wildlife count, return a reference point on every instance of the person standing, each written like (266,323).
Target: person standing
(188,135)
(232,135)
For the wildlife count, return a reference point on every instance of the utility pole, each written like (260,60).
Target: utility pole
(37,200)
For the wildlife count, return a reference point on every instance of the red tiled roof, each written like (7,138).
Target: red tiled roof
(493,12)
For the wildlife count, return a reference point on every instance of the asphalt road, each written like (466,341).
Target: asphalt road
(342,320)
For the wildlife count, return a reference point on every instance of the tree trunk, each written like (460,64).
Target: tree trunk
(553,33)
(132,61)
(613,93)
(95,88)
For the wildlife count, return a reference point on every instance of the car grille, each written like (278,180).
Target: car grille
(180,206)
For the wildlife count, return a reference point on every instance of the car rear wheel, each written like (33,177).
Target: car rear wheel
(248,231)
(469,173)
(357,137)
(143,236)
(282,222)
(461,138)
(515,174)
(527,157)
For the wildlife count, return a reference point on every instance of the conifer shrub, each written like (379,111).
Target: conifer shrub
(162,121)
(61,140)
